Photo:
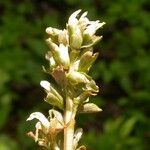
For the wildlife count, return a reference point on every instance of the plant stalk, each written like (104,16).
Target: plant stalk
(69,125)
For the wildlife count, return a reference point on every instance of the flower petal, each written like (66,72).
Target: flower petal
(45,84)
(72,19)
(41,118)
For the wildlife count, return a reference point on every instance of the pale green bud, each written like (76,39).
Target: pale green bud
(53,97)
(89,108)
(54,101)
(75,37)
(86,60)
(64,56)
(75,77)
(60,53)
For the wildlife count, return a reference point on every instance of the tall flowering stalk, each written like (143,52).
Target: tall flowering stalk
(70,58)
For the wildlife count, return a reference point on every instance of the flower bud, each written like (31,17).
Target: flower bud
(60,53)
(53,97)
(89,108)
(74,31)
(54,100)
(86,60)
(75,36)
(76,77)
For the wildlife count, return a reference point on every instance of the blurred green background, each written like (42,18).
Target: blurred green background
(122,71)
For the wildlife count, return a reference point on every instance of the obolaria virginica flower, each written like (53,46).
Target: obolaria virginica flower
(70,57)
(46,129)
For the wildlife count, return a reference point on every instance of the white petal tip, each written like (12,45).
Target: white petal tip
(45,85)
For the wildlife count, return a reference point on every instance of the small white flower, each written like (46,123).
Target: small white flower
(45,84)
(42,119)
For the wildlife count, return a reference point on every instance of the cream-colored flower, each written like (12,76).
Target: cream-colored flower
(47,127)
(42,119)
(53,97)
(81,31)
(76,77)
(60,53)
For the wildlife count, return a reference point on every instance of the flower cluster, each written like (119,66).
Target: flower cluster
(70,57)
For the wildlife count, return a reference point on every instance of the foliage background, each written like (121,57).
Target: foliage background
(122,71)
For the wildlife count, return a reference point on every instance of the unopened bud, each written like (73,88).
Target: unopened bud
(75,37)
(76,77)
(89,108)
(53,97)
(54,100)
(86,60)
(60,53)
